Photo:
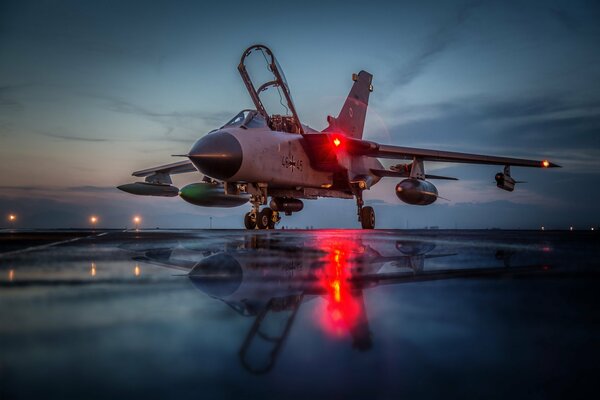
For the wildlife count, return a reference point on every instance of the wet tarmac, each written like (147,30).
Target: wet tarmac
(332,314)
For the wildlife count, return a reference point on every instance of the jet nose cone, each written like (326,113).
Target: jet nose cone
(218,155)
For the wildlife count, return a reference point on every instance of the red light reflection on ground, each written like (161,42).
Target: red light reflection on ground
(342,311)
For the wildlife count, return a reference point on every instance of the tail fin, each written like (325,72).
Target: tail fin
(351,120)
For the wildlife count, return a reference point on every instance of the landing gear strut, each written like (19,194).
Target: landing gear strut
(366,215)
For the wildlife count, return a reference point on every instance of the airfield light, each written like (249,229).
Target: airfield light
(136,220)
(545,163)
(543,228)
(12,220)
(137,270)
(11,275)
(93,269)
(570,228)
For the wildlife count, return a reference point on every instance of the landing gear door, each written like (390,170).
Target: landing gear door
(268,89)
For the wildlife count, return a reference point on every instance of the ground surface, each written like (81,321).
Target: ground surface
(298,314)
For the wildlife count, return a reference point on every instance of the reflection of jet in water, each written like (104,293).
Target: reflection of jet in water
(269,278)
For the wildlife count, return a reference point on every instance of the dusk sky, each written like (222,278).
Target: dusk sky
(91,91)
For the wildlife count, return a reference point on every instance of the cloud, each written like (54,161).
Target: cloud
(93,189)
(435,45)
(8,102)
(8,191)
(8,98)
(170,138)
(565,19)
(193,121)
(166,138)
(125,107)
(474,191)
(546,106)
(530,127)
(74,138)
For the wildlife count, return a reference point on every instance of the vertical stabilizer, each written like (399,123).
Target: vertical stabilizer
(351,119)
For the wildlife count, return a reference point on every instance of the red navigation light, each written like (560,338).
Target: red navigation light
(338,142)
(545,164)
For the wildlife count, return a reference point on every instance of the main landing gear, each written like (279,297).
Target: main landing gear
(264,219)
(267,218)
(366,214)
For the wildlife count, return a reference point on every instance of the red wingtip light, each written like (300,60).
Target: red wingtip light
(545,164)
(337,142)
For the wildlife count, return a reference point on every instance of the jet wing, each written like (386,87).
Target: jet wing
(179,167)
(404,174)
(372,149)
(157,180)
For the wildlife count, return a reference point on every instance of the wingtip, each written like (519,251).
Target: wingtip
(125,187)
(548,164)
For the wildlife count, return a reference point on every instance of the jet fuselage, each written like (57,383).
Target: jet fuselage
(278,159)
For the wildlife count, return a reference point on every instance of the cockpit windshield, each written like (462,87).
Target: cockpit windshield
(246,119)
(239,118)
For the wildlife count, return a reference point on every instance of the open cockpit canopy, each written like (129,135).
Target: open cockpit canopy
(269,89)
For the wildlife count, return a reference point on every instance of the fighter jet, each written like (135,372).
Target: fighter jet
(260,155)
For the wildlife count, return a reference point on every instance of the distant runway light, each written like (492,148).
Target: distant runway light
(11,275)
(93,269)
(136,220)
(570,228)
(137,270)
(543,228)
(12,217)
